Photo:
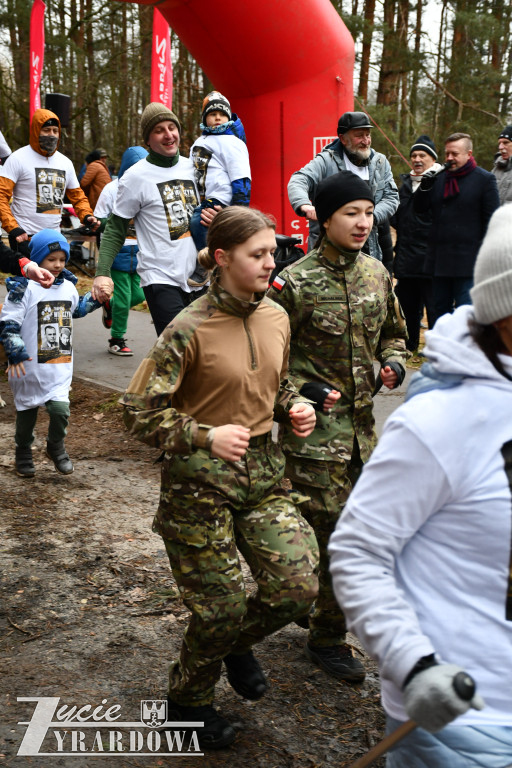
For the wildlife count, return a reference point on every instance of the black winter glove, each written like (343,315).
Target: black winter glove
(397,368)
(20,248)
(316,392)
(428,180)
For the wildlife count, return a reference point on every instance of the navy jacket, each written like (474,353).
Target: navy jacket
(458,223)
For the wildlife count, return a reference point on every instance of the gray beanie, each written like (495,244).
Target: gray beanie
(153,114)
(492,291)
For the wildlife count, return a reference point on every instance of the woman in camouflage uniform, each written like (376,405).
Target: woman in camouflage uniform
(207,394)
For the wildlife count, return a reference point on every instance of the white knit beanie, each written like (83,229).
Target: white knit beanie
(492,291)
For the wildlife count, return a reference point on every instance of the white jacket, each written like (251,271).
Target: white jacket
(421,557)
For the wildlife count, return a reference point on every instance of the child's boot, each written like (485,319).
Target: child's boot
(58,454)
(24,462)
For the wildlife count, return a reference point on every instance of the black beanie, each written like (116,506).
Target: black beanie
(506,133)
(337,190)
(424,144)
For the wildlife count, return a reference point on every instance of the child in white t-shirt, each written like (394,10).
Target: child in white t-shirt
(36,327)
(221,167)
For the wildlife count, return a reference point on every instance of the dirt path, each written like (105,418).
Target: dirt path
(90,613)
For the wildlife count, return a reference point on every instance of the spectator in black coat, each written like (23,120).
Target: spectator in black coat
(414,285)
(461,200)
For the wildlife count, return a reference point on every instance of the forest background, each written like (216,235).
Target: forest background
(430,66)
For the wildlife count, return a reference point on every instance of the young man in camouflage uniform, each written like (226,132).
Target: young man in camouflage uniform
(343,315)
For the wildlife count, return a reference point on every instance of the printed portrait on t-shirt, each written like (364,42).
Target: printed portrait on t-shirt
(50,188)
(200,158)
(179,198)
(65,338)
(45,193)
(54,331)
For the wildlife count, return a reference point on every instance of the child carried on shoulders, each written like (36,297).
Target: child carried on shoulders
(221,167)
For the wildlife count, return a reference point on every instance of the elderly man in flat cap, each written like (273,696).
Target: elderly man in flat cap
(351,151)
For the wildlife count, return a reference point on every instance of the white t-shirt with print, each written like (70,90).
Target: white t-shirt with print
(105,205)
(161,202)
(40,185)
(42,314)
(219,159)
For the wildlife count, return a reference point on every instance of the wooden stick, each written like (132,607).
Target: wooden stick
(385,744)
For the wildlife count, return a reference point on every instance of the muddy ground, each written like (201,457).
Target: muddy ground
(90,613)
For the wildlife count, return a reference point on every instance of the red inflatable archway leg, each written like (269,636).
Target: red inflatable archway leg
(287,70)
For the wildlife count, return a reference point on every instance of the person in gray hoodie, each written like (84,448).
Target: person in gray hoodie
(351,151)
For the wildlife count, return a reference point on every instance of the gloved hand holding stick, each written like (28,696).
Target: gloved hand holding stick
(434,697)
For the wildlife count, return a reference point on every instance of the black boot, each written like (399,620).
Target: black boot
(246,676)
(24,462)
(337,661)
(216,732)
(58,454)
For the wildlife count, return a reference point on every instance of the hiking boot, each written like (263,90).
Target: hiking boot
(303,621)
(337,661)
(246,676)
(199,277)
(216,732)
(119,347)
(58,454)
(24,462)
(106,314)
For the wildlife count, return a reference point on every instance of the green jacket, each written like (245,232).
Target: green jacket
(343,315)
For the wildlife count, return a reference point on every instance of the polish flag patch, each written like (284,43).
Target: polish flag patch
(278,283)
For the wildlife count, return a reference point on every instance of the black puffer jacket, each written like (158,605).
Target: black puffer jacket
(412,231)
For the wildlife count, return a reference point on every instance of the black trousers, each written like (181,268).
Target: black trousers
(167,301)
(415,293)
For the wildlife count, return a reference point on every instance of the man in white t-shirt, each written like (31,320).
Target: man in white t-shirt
(36,177)
(158,193)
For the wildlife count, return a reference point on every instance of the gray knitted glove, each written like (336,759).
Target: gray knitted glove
(431,699)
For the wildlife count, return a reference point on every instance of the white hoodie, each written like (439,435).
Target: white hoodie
(421,557)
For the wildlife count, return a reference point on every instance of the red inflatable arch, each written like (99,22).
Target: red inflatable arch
(286,67)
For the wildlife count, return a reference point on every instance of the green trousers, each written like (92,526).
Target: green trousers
(58,412)
(211,510)
(127,294)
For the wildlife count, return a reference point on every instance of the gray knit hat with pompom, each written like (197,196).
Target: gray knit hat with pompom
(492,291)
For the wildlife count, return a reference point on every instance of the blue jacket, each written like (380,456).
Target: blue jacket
(126,259)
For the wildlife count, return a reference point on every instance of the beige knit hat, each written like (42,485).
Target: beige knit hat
(155,113)
(492,291)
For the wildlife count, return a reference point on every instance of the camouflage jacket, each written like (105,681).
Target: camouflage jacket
(220,361)
(343,315)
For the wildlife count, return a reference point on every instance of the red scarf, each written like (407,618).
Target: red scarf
(451,188)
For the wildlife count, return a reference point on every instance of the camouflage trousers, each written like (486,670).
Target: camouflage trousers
(209,511)
(328,485)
